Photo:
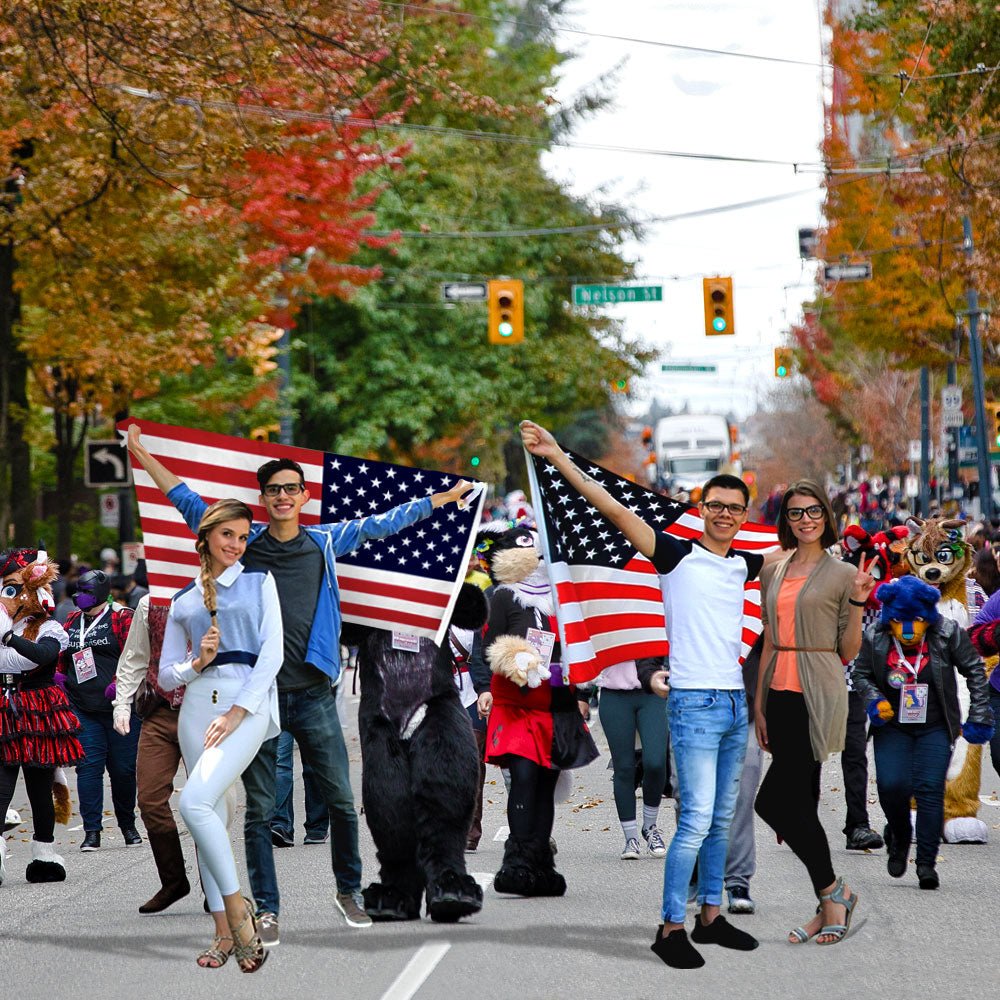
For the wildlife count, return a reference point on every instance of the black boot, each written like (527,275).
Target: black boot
(548,882)
(897,853)
(517,874)
(388,902)
(169,860)
(453,895)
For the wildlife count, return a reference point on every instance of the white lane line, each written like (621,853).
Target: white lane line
(416,971)
(502,834)
(484,879)
(989,800)
(72,829)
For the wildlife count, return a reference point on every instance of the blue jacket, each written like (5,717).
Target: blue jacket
(334,540)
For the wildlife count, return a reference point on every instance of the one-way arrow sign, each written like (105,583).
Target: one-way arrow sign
(106,464)
(464,291)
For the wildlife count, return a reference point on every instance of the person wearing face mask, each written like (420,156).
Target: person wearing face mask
(96,634)
(811,606)
(906,673)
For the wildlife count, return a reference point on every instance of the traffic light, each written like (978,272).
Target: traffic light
(718,293)
(506,309)
(782,362)
(264,433)
(474,461)
(807,244)
(992,424)
(620,385)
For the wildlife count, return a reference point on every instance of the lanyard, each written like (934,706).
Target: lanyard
(904,662)
(84,632)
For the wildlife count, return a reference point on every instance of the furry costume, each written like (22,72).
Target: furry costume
(420,772)
(937,553)
(37,727)
(534,718)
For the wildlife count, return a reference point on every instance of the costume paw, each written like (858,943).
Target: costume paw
(879,711)
(977,732)
(514,658)
(45,864)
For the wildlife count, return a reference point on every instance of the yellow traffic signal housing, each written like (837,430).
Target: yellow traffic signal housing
(264,432)
(992,424)
(783,357)
(506,309)
(718,293)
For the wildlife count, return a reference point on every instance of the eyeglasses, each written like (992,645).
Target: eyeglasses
(275,489)
(814,512)
(717,507)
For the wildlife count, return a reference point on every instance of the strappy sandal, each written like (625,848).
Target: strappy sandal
(253,952)
(214,957)
(838,931)
(801,935)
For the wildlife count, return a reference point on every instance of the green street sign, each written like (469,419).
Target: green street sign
(599,295)
(688,368)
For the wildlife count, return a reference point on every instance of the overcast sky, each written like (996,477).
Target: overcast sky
(673,100)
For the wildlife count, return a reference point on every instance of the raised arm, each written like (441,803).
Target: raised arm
(540,442)
(161,475)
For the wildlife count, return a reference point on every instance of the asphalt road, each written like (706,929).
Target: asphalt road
(85,938)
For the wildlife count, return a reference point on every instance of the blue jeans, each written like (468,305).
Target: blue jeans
(910,764)
(317,815)
(311,718)
(106,749)
(708,734)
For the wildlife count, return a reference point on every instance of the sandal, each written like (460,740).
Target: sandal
(252,952)
(214,957)
(838,931)
(801,935)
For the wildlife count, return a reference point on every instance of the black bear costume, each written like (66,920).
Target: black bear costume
(420,771)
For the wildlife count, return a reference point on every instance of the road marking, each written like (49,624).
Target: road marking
(73,829)
(483,879)
(416,971)
(502,834)
(989,800)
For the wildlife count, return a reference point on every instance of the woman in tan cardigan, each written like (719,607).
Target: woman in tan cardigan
(811,607)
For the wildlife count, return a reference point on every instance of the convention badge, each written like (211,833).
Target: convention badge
(897,678)
(913,702)
(84,665)
(406,642)
(176,697)
(544,642)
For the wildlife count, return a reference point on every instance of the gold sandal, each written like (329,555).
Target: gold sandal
(214,957)
(253,952)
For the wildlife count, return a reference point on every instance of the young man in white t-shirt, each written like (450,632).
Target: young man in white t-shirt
(703,593)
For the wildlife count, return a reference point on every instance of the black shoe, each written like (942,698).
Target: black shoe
(91,841)
(928,876)
(278,839)
(897,860)
(721,932)
(676,950)
(131,837)
(864,838)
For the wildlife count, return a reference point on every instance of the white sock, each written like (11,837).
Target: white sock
(630,829)
(649,815)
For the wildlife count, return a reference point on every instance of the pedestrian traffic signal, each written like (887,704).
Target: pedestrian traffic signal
(506,311)
(718,294)
(620,385)
(474,461)
(782,362)
(992,423)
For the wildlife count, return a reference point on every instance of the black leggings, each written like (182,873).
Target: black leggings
(38,782)
(788,800)
(531,809)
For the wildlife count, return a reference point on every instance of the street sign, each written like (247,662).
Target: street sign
(110,510)
(463,291)
(106,464)
(951,397)
(952,418)
(968,451)
(848,272)
(914,453)
(867,453)
(599,295)
(688,368)
(132,552)
(912,487)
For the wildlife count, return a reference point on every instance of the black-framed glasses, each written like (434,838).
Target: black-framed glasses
(717,507)
(814,512)
(292,489)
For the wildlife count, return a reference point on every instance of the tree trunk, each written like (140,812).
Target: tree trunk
(70,433)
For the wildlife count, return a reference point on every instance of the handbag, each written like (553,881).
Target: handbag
(146,699)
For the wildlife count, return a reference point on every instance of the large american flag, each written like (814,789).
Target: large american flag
(608,601)
(407,582)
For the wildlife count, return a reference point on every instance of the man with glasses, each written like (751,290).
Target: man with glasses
(702,582)
(303,563)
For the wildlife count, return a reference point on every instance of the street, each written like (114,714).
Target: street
(84,938)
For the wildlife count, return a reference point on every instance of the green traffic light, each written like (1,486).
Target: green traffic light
(505,330)
(474,461)
(781,371)
(719,324)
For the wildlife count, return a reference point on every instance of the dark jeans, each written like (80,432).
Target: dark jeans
(317,815)
(311,717)
(106,749)
(995,742)
(854,763)
(788,800)
(913,765)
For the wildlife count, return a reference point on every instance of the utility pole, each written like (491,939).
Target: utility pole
(978,381)
(925,440)
(953,482)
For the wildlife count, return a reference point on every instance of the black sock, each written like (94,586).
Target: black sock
(676,950)
(723,933)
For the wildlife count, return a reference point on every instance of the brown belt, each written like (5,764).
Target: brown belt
(802,649)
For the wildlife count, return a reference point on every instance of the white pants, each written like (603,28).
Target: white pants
(203,801)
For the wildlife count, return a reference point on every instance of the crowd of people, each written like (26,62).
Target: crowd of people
(247,662)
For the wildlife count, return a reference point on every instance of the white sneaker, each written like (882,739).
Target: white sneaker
(654,841)
(632,850)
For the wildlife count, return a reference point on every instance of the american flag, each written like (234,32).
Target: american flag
(609,605)
(407,582)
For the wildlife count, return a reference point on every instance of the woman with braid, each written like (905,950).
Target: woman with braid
(224,642)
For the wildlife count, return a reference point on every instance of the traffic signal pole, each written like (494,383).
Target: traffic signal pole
(978,382)
(925,441)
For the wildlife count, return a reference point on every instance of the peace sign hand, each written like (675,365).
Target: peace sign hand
(864,582)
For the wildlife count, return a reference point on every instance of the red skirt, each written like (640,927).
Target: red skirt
(38,728)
